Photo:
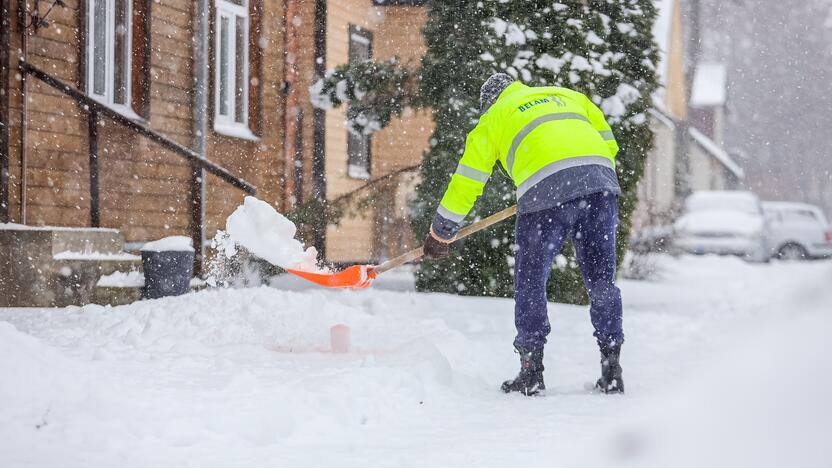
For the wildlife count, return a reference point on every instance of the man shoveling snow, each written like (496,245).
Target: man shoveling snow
(559,150)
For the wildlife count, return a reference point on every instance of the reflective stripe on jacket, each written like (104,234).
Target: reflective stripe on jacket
(533,132)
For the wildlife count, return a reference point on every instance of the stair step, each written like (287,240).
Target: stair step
(57,266)
(72,239)
(87,240)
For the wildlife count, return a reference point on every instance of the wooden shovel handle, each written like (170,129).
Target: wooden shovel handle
(464,232)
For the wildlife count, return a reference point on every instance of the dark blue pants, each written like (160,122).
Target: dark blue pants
(590,222)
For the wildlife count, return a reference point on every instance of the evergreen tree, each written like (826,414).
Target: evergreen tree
(603,48)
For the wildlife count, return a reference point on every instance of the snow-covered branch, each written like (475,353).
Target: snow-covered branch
(374,92)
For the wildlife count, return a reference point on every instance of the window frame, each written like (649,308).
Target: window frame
(361,170)
(108,97)
(227,124)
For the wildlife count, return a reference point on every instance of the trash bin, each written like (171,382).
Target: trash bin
(168,267)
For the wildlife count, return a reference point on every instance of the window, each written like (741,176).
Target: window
(358,144)
(108,52)
(799,217)
(231,68)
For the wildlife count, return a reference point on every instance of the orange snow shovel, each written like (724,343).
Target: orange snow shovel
(362,276)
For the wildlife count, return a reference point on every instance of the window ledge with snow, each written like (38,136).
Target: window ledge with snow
(125,111)
(358,172)
(235,131)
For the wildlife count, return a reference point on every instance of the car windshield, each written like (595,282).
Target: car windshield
(723,201)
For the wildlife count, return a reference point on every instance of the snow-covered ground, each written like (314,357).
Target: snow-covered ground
(726,364)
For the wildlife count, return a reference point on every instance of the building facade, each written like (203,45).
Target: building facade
(362,30)
(708,165)
(226,80)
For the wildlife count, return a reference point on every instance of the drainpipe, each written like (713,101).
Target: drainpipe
(200,132)
(290,103)
(22,16)
(319,119)
(5,43)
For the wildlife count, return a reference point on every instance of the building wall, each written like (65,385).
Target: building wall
(300,75)
(675,95)
(144,188)
(398,146)
(706,172)
(56,145)
(352,238)
(656,188)
(258,162)
(404,143)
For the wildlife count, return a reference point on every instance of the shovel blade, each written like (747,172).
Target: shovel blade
(356,277)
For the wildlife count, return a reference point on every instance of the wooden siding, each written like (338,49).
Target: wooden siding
(144,188)
(258,162)
(400,145)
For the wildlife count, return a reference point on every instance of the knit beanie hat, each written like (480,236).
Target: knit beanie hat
(491,89)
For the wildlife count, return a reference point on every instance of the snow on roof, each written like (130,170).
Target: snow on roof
(716,151)
(660,114)
(709,85)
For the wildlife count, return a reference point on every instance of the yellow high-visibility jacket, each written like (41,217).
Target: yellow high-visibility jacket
(533,132)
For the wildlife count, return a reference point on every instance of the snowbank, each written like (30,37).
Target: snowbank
(264,232)
(29,367)
(38,383)
(764,403)
(212,378)
(725,361)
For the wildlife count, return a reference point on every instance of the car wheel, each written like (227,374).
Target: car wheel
(791,252)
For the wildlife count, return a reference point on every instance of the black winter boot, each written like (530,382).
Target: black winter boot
(530,380)
(610,381)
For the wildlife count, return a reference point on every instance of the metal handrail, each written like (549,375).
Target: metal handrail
(96,107)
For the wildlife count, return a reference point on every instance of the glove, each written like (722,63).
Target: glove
(435,248)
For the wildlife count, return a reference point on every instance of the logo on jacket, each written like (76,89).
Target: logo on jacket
(553,99)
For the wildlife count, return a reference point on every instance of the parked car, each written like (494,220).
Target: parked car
(724,223)
(797,231)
